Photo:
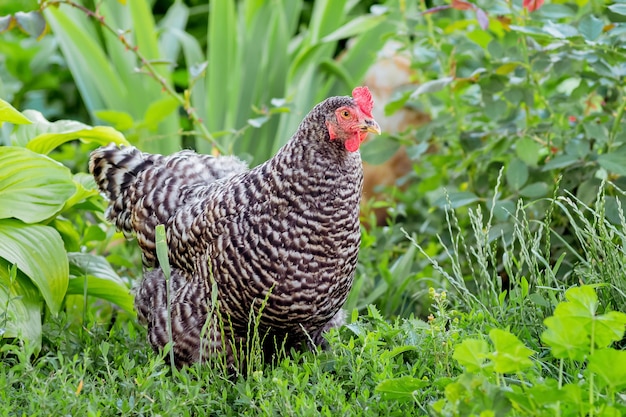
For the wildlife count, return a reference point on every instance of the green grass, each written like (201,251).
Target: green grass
(481,348)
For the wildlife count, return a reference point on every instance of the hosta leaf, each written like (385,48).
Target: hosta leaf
(510,354)
(9,114)
(39,253)
(33,187)
(43,136)
(471,354)
(24,304)
(100,280)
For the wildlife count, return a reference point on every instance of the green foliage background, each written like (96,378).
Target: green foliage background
(497,285)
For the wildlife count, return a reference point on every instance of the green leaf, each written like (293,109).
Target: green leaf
(431,86)
(119,119)
(610,366)
(378,150)
(94,273)
(159,111)
(528,151)
(517,173)
(456,199)
(561,161)
(23,306)
(614,161)
(33,187)
(618,8)
(39,253)
(609,328)
(567,338)
(591,27)
(510,354)
(32,23)
(353,27)
(471,354)
(9,114)
(535,190)
(403,388)
(160,239)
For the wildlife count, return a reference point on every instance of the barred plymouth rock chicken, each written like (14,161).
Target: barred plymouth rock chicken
(278,242)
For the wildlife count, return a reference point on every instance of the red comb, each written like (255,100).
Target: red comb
(364,100)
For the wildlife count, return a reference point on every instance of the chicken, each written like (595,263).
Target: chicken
(277,243)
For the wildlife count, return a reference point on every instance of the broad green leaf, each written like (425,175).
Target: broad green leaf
(93,275)
(471,354)
(614,161)
(609,328)
(510,354)
(516,173)
(23,306)
(535,190)
(85,187)
(43,136)
(378,149)
(33,187)
(405,387)
(591,27)
(610,366)
(561,161)
(102,135)
(39,253)
(528,151)
(9,114)
(618,8)
(567,338)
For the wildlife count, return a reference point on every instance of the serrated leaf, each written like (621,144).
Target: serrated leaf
(471,354)
(33,187)
(609,328)
(566,337)
(94,273)
(9,114)
(610,366)
(39,253)
(510,354)
(22,303)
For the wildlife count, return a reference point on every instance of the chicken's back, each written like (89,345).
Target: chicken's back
(146,190)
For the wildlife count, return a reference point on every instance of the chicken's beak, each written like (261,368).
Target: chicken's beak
(371,126)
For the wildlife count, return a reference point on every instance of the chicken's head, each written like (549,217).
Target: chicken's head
(350,124)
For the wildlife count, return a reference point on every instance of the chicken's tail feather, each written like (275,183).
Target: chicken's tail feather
(115,171)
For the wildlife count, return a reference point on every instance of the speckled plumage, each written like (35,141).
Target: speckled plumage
(280,240)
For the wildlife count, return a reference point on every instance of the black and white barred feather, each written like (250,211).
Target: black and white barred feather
(280,240)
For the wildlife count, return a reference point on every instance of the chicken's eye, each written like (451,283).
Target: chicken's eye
(345,114)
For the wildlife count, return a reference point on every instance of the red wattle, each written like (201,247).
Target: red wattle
(352,145)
